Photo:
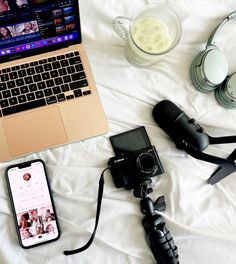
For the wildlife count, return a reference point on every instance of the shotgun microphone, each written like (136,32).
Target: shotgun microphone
(190,136)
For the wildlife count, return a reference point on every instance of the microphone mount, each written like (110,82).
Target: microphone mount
(190,136)
(226,166)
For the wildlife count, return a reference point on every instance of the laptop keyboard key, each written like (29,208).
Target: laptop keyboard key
(78,84)
(79,67)
(33,87)
(39,69)
(4,77)
(30,71)
(13,75)
(64,63)
(48,92)
(23,107)
(51,100)
(77,93)
(58,81)
(54,74)
(28,80)
(61,97)
(3,86)
(62,71)
(50,83)
(74,60)
(86,92)
(20,82)
(60,57)
(67,79)
(13,101)
(69,97)
(34,63)
(30,96)
(24,66)
(22,73)
(56,65)
(4,103)
(41,85)
(24,89)
(6,94)
(37,78)
(43,61)
(15,91)
(45,76)
(39,94)
(11,84)
(71,69)
(78,76)
(47,67)
(69,55)
(65,88)
(56,90)
(22,98)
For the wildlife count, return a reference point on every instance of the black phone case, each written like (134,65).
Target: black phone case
(26,164)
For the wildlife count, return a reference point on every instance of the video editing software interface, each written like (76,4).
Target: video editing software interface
(27,25)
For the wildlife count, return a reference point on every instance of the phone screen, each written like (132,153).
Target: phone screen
(33,207)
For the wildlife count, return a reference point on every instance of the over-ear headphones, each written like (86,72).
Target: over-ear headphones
(209,70)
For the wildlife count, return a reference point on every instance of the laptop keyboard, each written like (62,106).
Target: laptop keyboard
(40,83)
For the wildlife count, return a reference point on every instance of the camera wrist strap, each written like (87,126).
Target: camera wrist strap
(99,203)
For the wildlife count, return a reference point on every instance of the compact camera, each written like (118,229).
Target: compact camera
(135,161)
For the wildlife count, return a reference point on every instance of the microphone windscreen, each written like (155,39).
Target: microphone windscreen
(165,112)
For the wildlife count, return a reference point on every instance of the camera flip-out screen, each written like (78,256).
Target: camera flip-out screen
(130,141)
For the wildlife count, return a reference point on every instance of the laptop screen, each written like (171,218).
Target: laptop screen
(29,27)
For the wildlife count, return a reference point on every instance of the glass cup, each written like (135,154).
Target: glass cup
(152,32)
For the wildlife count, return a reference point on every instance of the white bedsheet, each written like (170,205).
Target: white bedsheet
(200,217)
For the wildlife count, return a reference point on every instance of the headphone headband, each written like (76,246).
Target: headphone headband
(231,16)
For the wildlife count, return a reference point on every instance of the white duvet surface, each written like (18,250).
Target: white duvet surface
(200,217)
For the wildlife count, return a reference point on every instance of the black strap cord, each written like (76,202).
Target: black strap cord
(99,203)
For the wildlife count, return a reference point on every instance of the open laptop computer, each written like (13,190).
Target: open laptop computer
(47,93)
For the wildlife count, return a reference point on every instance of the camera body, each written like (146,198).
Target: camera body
(131,170)
(136,160)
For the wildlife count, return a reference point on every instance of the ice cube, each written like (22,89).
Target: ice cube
(143,39)
(157,38)
(160,45)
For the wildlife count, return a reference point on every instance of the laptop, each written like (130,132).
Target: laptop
(48,97)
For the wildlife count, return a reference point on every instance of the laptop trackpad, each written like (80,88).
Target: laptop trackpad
(34,131)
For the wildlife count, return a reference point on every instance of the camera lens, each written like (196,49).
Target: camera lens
(146,163)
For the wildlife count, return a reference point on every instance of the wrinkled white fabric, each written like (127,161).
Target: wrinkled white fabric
(200,217)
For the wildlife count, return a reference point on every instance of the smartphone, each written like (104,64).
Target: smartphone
(32,203)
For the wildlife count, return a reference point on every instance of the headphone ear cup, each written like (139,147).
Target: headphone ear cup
(209,69)
(225,94)
(193,73)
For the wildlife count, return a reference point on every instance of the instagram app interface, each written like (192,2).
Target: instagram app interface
(34,211)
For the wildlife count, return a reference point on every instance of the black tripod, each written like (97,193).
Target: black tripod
(160,240)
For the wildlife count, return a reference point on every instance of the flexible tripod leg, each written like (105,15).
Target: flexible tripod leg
(163,247)
(160,239)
